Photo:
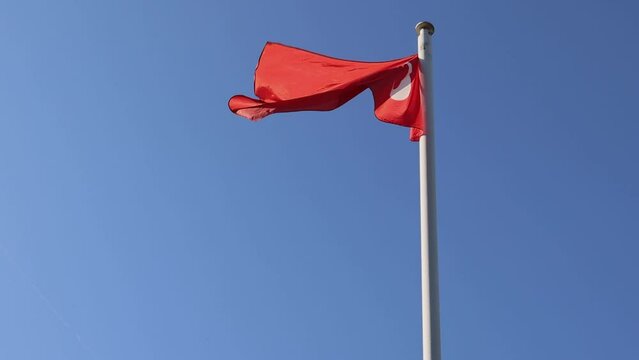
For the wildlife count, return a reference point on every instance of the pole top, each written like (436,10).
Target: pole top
(425,25)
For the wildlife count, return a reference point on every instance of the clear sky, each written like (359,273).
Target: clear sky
(140,219)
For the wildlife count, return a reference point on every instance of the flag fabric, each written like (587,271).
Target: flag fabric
(290,79)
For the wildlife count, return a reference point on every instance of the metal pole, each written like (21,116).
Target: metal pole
(430,284)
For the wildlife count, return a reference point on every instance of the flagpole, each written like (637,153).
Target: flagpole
(431,345)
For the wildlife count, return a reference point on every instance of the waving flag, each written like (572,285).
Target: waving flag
(290,79)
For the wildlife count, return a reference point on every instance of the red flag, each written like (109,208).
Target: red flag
(291,79)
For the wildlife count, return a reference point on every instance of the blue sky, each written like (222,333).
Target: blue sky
(140,219)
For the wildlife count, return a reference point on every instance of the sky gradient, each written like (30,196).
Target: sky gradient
(141,219)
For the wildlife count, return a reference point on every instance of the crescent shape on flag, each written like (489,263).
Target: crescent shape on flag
(402,91)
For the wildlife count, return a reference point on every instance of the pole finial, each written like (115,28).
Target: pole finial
(425,25)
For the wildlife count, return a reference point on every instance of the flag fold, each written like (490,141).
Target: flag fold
(290,79)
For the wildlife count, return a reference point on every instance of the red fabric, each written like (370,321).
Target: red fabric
(290,79)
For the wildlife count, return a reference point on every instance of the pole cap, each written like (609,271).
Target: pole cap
(425,25)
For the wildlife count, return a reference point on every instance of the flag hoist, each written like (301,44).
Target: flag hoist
(289,79)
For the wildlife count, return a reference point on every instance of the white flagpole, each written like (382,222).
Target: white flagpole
(431,346)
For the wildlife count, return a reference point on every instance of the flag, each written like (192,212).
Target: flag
(290,79)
